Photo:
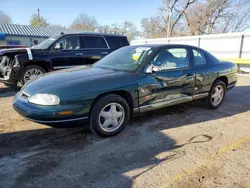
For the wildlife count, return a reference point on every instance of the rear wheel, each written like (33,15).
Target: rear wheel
(216,94)
(31,72)
(109,115)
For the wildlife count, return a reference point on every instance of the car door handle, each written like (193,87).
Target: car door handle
(104,53)
(79,54)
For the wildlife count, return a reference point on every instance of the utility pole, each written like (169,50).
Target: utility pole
(38,16)
(169,18)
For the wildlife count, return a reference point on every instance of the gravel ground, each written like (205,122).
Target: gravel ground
(182,146)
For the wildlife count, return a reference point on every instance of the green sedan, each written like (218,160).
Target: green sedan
(106,95)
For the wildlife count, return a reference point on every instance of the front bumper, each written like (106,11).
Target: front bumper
(48,115)
(10,76)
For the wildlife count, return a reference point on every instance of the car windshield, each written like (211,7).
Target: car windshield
(45,44)
(127,58)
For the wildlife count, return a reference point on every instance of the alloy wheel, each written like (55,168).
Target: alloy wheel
(111,117)
(217,95)
(31,74)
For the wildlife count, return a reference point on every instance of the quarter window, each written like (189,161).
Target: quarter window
(172,58)
(199,58)
(116,42)
(93,42)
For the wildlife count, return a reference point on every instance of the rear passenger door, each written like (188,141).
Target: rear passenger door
(95,48)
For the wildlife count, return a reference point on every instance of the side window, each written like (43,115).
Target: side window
(116,42)
(93,42)
(199,58)
(172,58)
(69,43)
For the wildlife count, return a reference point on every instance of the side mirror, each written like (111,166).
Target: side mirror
(58,46)
(152,69)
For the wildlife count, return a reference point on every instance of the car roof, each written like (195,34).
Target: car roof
(96,34)
(166,45)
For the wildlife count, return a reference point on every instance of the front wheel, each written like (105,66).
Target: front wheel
(109,115)
(31,72)
(216,94)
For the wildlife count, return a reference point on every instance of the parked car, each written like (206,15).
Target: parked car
(109,93)
(19,65)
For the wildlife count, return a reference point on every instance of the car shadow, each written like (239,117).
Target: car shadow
(7,92)
(75,157)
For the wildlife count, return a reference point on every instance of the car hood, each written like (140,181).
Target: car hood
(7,50)
(80,81)
(17,50)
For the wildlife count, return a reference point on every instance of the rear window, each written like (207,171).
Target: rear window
(116,42)
(93,42)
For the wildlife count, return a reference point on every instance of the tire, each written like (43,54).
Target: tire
(211,102)
(103,126)
(39,70)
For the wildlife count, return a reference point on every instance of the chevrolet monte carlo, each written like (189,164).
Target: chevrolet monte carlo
(129,81)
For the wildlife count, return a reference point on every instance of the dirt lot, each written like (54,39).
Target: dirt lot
(183,146)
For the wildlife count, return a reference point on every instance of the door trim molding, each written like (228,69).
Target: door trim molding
(200,95)
(165,103)
(170,102)
(66,67)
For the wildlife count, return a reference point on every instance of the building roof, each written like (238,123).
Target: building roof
(34,31)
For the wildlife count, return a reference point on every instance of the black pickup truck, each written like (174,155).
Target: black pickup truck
(19,65)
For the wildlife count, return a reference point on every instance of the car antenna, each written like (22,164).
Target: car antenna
(62,33)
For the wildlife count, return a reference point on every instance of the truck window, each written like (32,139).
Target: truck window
(116,42)
(93,42)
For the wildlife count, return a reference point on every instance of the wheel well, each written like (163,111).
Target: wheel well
(41,64)
(223,79)
(124,94)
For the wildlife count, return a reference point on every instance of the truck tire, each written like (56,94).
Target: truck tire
(31,72)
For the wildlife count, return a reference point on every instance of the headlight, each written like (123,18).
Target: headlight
(44,99)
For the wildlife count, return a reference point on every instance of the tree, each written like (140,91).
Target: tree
(172,11)
(130,30)
(4,18)
(238,18)
(153,27)
(195,17)
(38,21)
(104,29)
(213,16)
(85,22)
(169,20)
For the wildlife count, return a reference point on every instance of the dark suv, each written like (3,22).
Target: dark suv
(19,65)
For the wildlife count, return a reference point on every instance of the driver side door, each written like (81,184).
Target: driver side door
(172,84)
(70,54)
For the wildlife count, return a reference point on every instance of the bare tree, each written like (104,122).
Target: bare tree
(85,22)
(218,16)
(237,18)
(4,18)
(172,12)
(154,27)
(126,27)
(104,29)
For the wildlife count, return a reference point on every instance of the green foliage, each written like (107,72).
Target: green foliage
(35,21)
